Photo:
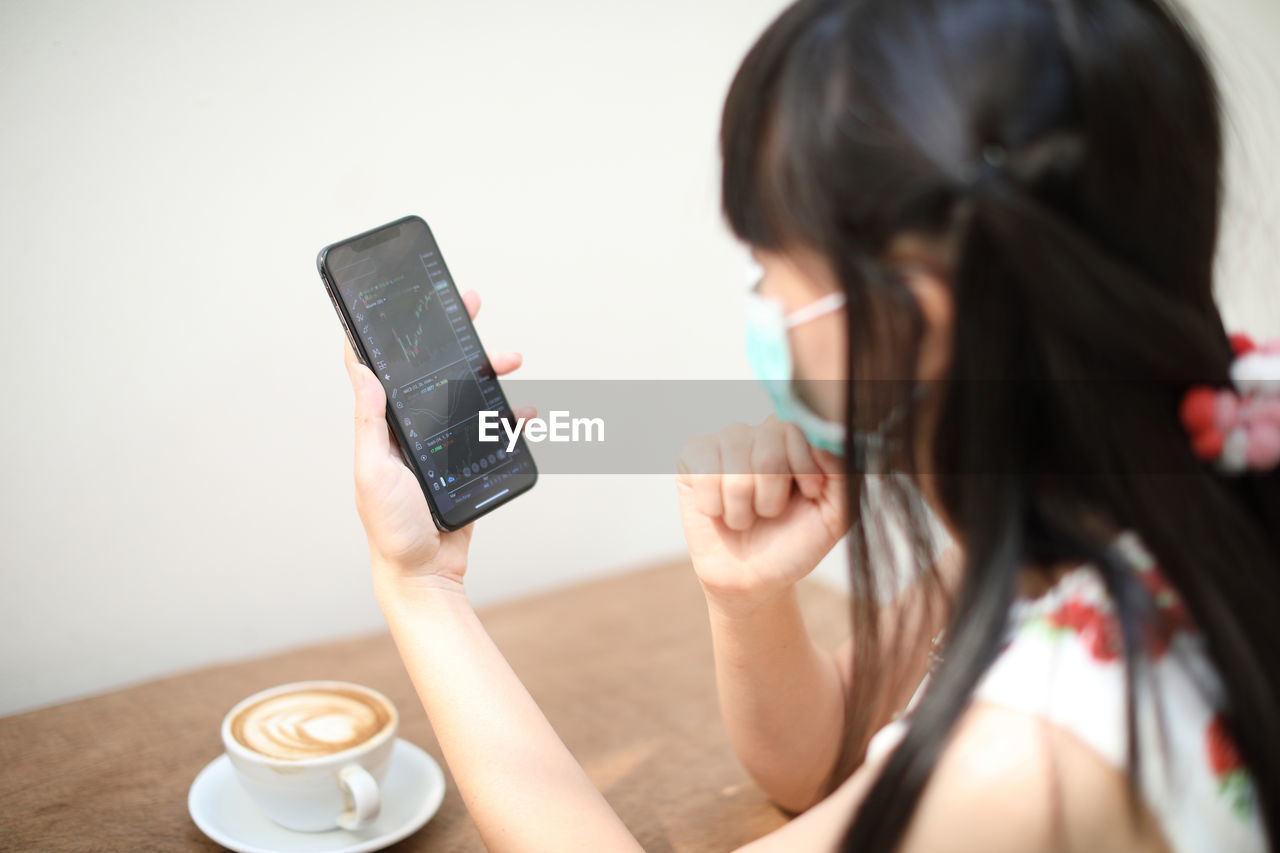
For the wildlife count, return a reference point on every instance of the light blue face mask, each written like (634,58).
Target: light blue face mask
(769,353)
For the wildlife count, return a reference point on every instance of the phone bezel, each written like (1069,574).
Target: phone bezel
(357,343)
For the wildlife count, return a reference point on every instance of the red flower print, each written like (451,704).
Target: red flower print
(1103,636)
(1073,613)
(1235,785)
(1223,757)
(1098,630)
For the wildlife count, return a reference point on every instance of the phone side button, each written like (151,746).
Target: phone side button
(351,339)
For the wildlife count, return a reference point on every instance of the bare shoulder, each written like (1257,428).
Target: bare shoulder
(1012,781)
(1007,782)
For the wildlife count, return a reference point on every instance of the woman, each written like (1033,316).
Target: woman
(986,230)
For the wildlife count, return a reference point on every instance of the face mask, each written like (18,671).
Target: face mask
(769,353)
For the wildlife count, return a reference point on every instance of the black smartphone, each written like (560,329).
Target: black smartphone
(405,319)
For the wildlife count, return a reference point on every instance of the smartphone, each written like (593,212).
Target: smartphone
(405,319)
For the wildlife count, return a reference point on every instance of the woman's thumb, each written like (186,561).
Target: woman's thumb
(371,403)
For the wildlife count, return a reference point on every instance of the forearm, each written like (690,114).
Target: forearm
(782,698)
(523,788)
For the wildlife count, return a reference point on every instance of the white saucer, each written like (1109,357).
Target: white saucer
(412,792)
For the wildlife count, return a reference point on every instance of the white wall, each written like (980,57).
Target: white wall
(1243,37)
(176,450)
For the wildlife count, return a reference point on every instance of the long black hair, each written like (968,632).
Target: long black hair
(1070,153)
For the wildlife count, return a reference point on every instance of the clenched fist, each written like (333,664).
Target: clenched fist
(760,509)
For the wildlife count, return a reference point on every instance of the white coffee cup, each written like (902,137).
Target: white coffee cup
(313,754)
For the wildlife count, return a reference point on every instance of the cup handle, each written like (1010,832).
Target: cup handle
(365,799)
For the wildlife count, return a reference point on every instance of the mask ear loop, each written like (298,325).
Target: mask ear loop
(754,274)
(814,310)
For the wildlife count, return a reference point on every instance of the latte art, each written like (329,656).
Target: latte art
(309,723)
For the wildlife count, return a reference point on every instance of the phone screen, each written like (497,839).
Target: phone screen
(408,323)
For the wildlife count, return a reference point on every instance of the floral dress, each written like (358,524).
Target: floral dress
(1062,659)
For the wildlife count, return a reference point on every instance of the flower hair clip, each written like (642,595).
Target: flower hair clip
(1238,428)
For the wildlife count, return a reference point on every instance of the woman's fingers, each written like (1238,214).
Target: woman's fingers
(742,474)
(738,482)
(699,467)
(371,404)
(772,473)
(505,362)
(471,299)
(800,458)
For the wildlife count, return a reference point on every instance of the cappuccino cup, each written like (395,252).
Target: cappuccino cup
(313,754)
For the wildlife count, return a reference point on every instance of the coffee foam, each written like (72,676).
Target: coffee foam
(309,723)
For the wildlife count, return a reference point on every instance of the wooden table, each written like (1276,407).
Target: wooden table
(622,667)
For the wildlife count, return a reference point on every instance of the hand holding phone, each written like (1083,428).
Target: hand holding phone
(404,543)
(408,326)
